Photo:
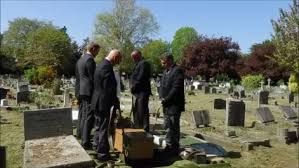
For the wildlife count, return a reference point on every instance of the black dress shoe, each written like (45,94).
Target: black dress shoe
(104,158)
(87,146)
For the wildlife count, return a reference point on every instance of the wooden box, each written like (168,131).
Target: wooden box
(134,143)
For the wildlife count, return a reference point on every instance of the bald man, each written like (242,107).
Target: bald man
(103,98)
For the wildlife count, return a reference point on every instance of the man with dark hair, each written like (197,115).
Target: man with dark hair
(173,101)
(85,68)
(103,98)
(141,89)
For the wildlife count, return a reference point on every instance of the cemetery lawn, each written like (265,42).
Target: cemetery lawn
(278,156)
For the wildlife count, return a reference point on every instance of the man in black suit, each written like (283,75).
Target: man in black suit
(141,89)
(84,88)
(173,101)
(103,98)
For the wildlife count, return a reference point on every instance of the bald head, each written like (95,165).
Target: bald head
(136,55)
(114,56)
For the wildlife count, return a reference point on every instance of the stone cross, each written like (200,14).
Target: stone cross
(262,85)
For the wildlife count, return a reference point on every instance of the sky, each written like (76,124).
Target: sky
(245,21)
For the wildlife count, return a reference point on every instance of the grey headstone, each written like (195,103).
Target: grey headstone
(235,112)
(219,104)
(192,87)
(236,94)
(47,123)
(23,87)
(23,96)
(4,102)
(291,97)
(66,98)
(289,113)
(201,117)
(229,90)
(206,89)
(264,115)
(263,97)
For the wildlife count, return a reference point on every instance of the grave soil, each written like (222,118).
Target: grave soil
(278,156)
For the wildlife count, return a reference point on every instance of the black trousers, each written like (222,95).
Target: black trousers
(101,133)
(86,120)
(141,112)
(172,125)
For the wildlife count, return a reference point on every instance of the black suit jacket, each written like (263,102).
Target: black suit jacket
(172,88)
(85,68)
(105,91)
(140,78)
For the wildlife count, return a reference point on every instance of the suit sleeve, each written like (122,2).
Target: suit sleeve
(90,67)
(178,83)
(110,91)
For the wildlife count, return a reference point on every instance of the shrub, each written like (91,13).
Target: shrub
(293,83)
(252,81)
(42,75)
(280,82)
(222,77)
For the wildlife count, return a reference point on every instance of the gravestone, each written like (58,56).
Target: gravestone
(192,87)
(263,97)
(206,89)
(219,104)
(213,90)
(264,114)
(3,93)
(236,94)
(291,97)
(66,98)
(23,97)
(242,93)
(4,103)
(235,112)
(229,90)
(22,87)
(47,123)
(49,140)
(289,113)
(201,117)
(2,156)
(199,87)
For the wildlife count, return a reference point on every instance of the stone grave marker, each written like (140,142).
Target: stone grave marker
(49,142)
(4,103)
(235,112)
(242,93)
(206,89)
(3,93)
(236,94)
(201,117)
(213,90)
(291,97)
(263,97)
(23,96)
(199,87)
(264,114)
(22,87)
(192,87)
(3,156)
(219,104)
(66,98)
(289,113)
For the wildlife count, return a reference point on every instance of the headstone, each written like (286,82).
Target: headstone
(22,87)
(236,94)
(23,96)
(206,89)
(229,90)
(289,113)
(264,114)
(262,85)
(263,97)
(66,98)
(4,103)
(242,93)
(235,112)
(219,104)
(47,123)
(2,156)
(269,82)
(199,87)
(213,90)
(201,117)
(3,93)
(291,97)
(192,87)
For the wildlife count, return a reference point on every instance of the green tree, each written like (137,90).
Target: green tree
(128,26)
(286,38)
(15,38)
(182,38)
(48,46)
(152,52)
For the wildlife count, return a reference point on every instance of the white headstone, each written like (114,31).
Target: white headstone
(4,103)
